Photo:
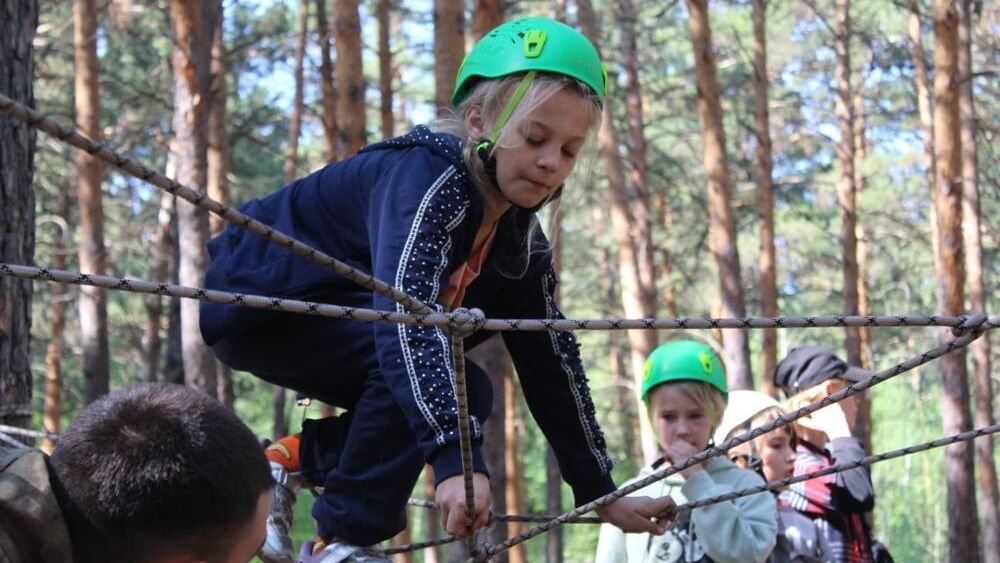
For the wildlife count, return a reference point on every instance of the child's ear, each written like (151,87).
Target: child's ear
(474,122)
(830,386)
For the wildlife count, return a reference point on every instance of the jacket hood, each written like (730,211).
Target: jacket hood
(445,145)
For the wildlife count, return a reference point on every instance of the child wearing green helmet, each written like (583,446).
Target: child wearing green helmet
(685,392)
(447,215)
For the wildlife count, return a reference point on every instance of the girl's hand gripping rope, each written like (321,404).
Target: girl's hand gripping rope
(450,498)
(639,514)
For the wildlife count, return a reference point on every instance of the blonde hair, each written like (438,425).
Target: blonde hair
(491,97)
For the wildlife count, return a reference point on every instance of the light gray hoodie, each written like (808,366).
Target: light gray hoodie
(741,530)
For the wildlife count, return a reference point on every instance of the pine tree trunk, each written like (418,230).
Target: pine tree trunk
(765,198)
(486,14)
(513,421)
(846,188)
(383,11)
(986,472)
(863,420)
(218,141)
(722,230)
(925,107)
(18,21)
(52,414)
(93,306)
(326,83)
(160,273)
(351,108)
(641,342)
(642,214)
(963,537)
(218,167)
(449,48)
(192,56)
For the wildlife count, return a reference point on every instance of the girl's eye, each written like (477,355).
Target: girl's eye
(669,417)
(535,141)
(568,153)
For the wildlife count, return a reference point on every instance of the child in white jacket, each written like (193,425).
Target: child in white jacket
(684,388)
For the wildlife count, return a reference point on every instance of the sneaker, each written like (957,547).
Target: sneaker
(277,546)
(342,552)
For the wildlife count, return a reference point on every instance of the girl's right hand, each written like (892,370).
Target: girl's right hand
(636,514)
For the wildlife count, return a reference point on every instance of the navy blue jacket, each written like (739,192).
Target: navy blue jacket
(406,210)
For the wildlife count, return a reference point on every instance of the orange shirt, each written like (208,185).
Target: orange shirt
(467,272)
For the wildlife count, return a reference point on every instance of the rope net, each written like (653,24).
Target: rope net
(463,322)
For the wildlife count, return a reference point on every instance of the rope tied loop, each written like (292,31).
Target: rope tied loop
(464,322)
(971,323)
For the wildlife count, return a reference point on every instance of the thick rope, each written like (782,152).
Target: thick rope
(465,323)
(11,441)
(973,330)
(450,320)
(27,432)
(73,137)
(770,486)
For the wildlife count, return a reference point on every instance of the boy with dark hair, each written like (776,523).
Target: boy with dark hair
(148,474)
(836,502)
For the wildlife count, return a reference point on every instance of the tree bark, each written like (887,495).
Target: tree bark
(93,305)
(52,414)
(218,141)
(722,230)
(514,495)
(449,48)
(160,273)
(326,83)
(863,419)
(383,11)
(18,20)
(846,187)
(765,198)
(986,472)
(350,78)
(963,537)
(192,56)
(925,107)
(218,166)
(642,342)
(486,14)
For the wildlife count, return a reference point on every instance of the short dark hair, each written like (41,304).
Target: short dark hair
(155,470)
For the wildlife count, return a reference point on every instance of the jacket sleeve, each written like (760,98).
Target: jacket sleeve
(414,212)
(743,529)
(555,388)
(853,490)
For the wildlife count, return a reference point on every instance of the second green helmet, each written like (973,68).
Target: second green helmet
(683,360)
(539,44)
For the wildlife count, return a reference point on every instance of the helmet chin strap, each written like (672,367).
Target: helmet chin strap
(485,148)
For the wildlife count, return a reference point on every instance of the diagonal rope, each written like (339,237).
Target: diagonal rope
(769,486)
(971,331)
(27,432)
(73,137)
(448,320)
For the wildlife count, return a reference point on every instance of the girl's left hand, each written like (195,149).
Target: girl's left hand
(678,451)
(636,514)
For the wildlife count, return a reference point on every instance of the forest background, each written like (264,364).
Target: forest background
(817,182)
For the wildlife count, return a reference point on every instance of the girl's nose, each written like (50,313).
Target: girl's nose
(548,159)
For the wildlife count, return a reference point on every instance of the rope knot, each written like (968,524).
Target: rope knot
(970,323)
(466,321)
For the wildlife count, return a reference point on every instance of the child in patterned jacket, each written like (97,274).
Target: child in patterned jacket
(447,215)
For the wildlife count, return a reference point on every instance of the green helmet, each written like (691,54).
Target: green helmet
(683,360)
(539,44)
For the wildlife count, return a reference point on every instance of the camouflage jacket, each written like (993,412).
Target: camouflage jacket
(31,522)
